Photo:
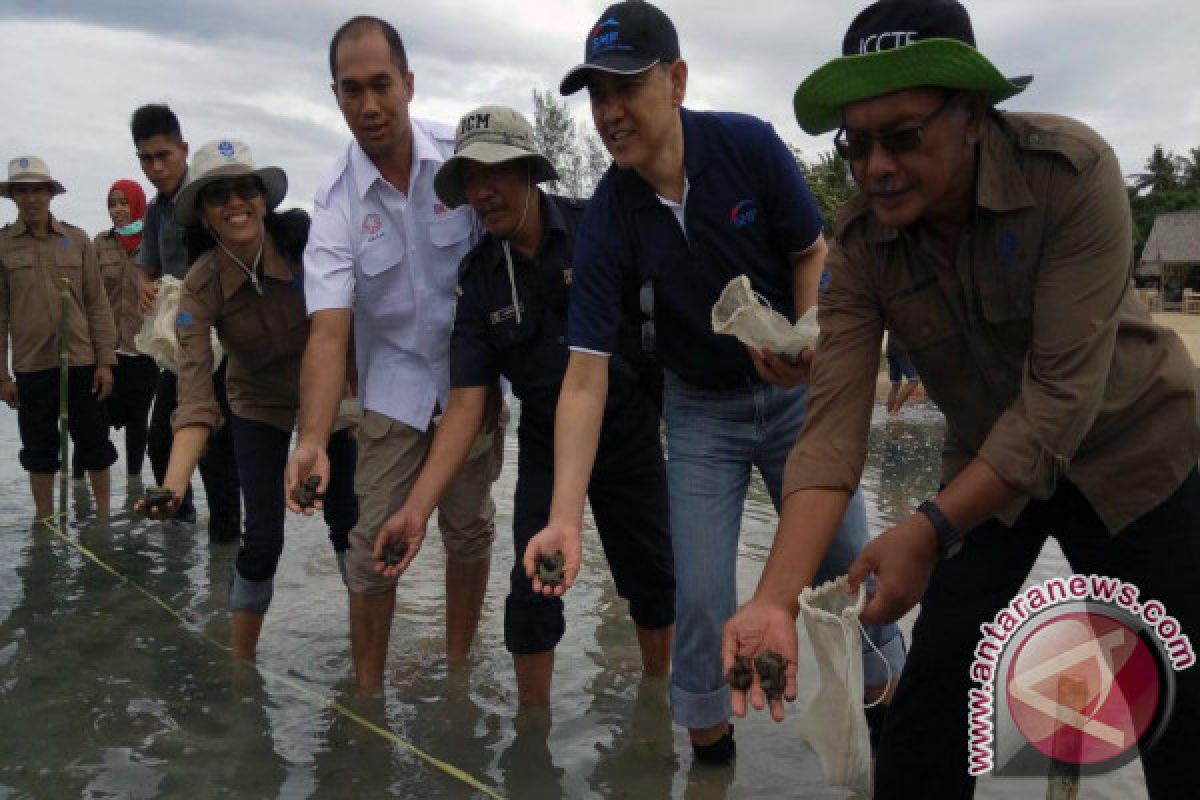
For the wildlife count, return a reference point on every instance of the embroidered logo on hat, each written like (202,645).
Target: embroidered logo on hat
(225,149)
(24,162)
(604,39)
(890,40)
(474,122)
(743,214)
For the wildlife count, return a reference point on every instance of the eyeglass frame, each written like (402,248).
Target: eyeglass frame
(843,145)
(229,186)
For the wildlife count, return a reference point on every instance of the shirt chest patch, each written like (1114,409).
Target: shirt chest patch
(372,227)
(504,314)
(744,213)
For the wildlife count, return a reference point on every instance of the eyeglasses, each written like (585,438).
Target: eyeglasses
(217,194)
(858,146)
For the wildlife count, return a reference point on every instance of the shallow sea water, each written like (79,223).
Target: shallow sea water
(104,694)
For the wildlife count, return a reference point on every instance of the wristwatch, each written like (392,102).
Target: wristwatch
(949,539)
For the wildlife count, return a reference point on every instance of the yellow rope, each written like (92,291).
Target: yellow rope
(50,523)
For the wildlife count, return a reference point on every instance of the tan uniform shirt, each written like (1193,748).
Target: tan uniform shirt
(263,335)
(29,300)
(1032,343)
(123,282)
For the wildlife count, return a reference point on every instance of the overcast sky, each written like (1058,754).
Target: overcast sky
(71,72)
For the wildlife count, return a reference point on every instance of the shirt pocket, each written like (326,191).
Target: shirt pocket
(243,334)
(111,271)
(921,320)
(1006,299)
(18,268)
(450,229)
(378,257)
(505,333)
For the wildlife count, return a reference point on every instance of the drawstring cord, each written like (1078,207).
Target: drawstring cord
(886,664)
(508,262)
(252,274)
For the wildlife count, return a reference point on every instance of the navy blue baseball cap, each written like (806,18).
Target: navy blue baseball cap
(630,37)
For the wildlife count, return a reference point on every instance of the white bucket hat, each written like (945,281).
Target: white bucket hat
(28,169)
(225,158)
(490,135)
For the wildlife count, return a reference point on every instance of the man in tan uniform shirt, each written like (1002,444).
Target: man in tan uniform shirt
(996,248)
(35,252)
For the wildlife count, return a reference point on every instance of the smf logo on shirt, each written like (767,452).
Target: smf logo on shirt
(605,35)
(743,214)
(372,227)
(889,40)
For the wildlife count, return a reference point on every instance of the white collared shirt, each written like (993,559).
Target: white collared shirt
(394,261)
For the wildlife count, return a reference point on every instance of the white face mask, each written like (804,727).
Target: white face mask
(835,726)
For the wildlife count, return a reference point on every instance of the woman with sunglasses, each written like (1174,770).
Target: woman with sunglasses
(246,283)
(135,375)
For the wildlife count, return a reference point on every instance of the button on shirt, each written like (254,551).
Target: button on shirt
(164,247)
(1032,342)
(748,208)
(123,283)
(393,260)
(531,353)
(30,307)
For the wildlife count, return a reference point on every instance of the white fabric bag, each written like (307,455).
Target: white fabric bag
(742,312)
(157,337)
(835,726)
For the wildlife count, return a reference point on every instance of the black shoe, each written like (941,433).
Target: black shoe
(722,751)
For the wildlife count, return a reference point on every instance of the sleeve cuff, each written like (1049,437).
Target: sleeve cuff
(813,467)
(1014,451)
(188,416)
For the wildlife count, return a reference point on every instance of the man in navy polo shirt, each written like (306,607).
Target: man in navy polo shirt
(693,200)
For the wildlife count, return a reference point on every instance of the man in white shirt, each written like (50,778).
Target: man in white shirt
(384,252)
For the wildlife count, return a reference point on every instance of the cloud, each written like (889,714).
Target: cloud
(258,71)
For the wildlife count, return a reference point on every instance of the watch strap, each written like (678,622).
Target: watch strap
(949,539)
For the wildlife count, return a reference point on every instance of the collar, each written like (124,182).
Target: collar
(552,220)
(233,276)
(19,228)
(367,174)
(1000,185)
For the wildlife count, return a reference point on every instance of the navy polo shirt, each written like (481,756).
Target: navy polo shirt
(488,341)
(748,207)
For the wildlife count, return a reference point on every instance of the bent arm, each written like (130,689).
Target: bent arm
(807,268)
(186,451)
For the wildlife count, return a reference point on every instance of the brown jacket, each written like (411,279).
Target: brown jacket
(123,282)
(263,335)
(29,301)
(1032,343)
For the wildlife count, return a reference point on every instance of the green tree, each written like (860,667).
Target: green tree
(574,149)
(1163,171)
(831,183)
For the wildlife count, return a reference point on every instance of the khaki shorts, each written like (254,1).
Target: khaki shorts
(390,457)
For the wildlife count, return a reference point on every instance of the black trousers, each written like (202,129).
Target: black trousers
(923,752)
(262,453)
(128,407)
(218,469)
(37,421)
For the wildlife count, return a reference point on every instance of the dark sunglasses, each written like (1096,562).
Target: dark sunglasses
(858,146)
(217,194)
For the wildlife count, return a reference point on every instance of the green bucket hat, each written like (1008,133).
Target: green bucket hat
(489,135)
(900,44)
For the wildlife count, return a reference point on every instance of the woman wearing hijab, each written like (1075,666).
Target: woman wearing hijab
(247,284)
(135,375)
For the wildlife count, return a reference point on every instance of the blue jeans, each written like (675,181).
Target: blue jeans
(714,437)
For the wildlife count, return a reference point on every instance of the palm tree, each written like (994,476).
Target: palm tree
(1164,171)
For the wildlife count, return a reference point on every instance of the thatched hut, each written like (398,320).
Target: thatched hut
(1172,254)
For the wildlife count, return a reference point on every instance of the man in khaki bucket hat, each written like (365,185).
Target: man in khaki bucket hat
(35,252)
(511,321)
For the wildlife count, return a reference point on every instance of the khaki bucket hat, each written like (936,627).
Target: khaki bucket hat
(490,135)
(29,170)
(225,158)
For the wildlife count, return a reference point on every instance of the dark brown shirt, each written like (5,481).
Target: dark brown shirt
(1032,343)
(263,335)
(30,309)
(123,282)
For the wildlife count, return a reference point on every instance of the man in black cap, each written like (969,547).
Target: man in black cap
(996,248)
(693,201)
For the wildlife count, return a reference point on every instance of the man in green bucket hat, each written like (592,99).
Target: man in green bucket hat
(995,247)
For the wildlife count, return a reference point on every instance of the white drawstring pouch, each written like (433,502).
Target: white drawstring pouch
(835,726)
(157,337)
(742,312)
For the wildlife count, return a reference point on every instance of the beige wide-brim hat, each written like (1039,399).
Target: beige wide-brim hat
(225,158)
(490,135)
(29,170)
